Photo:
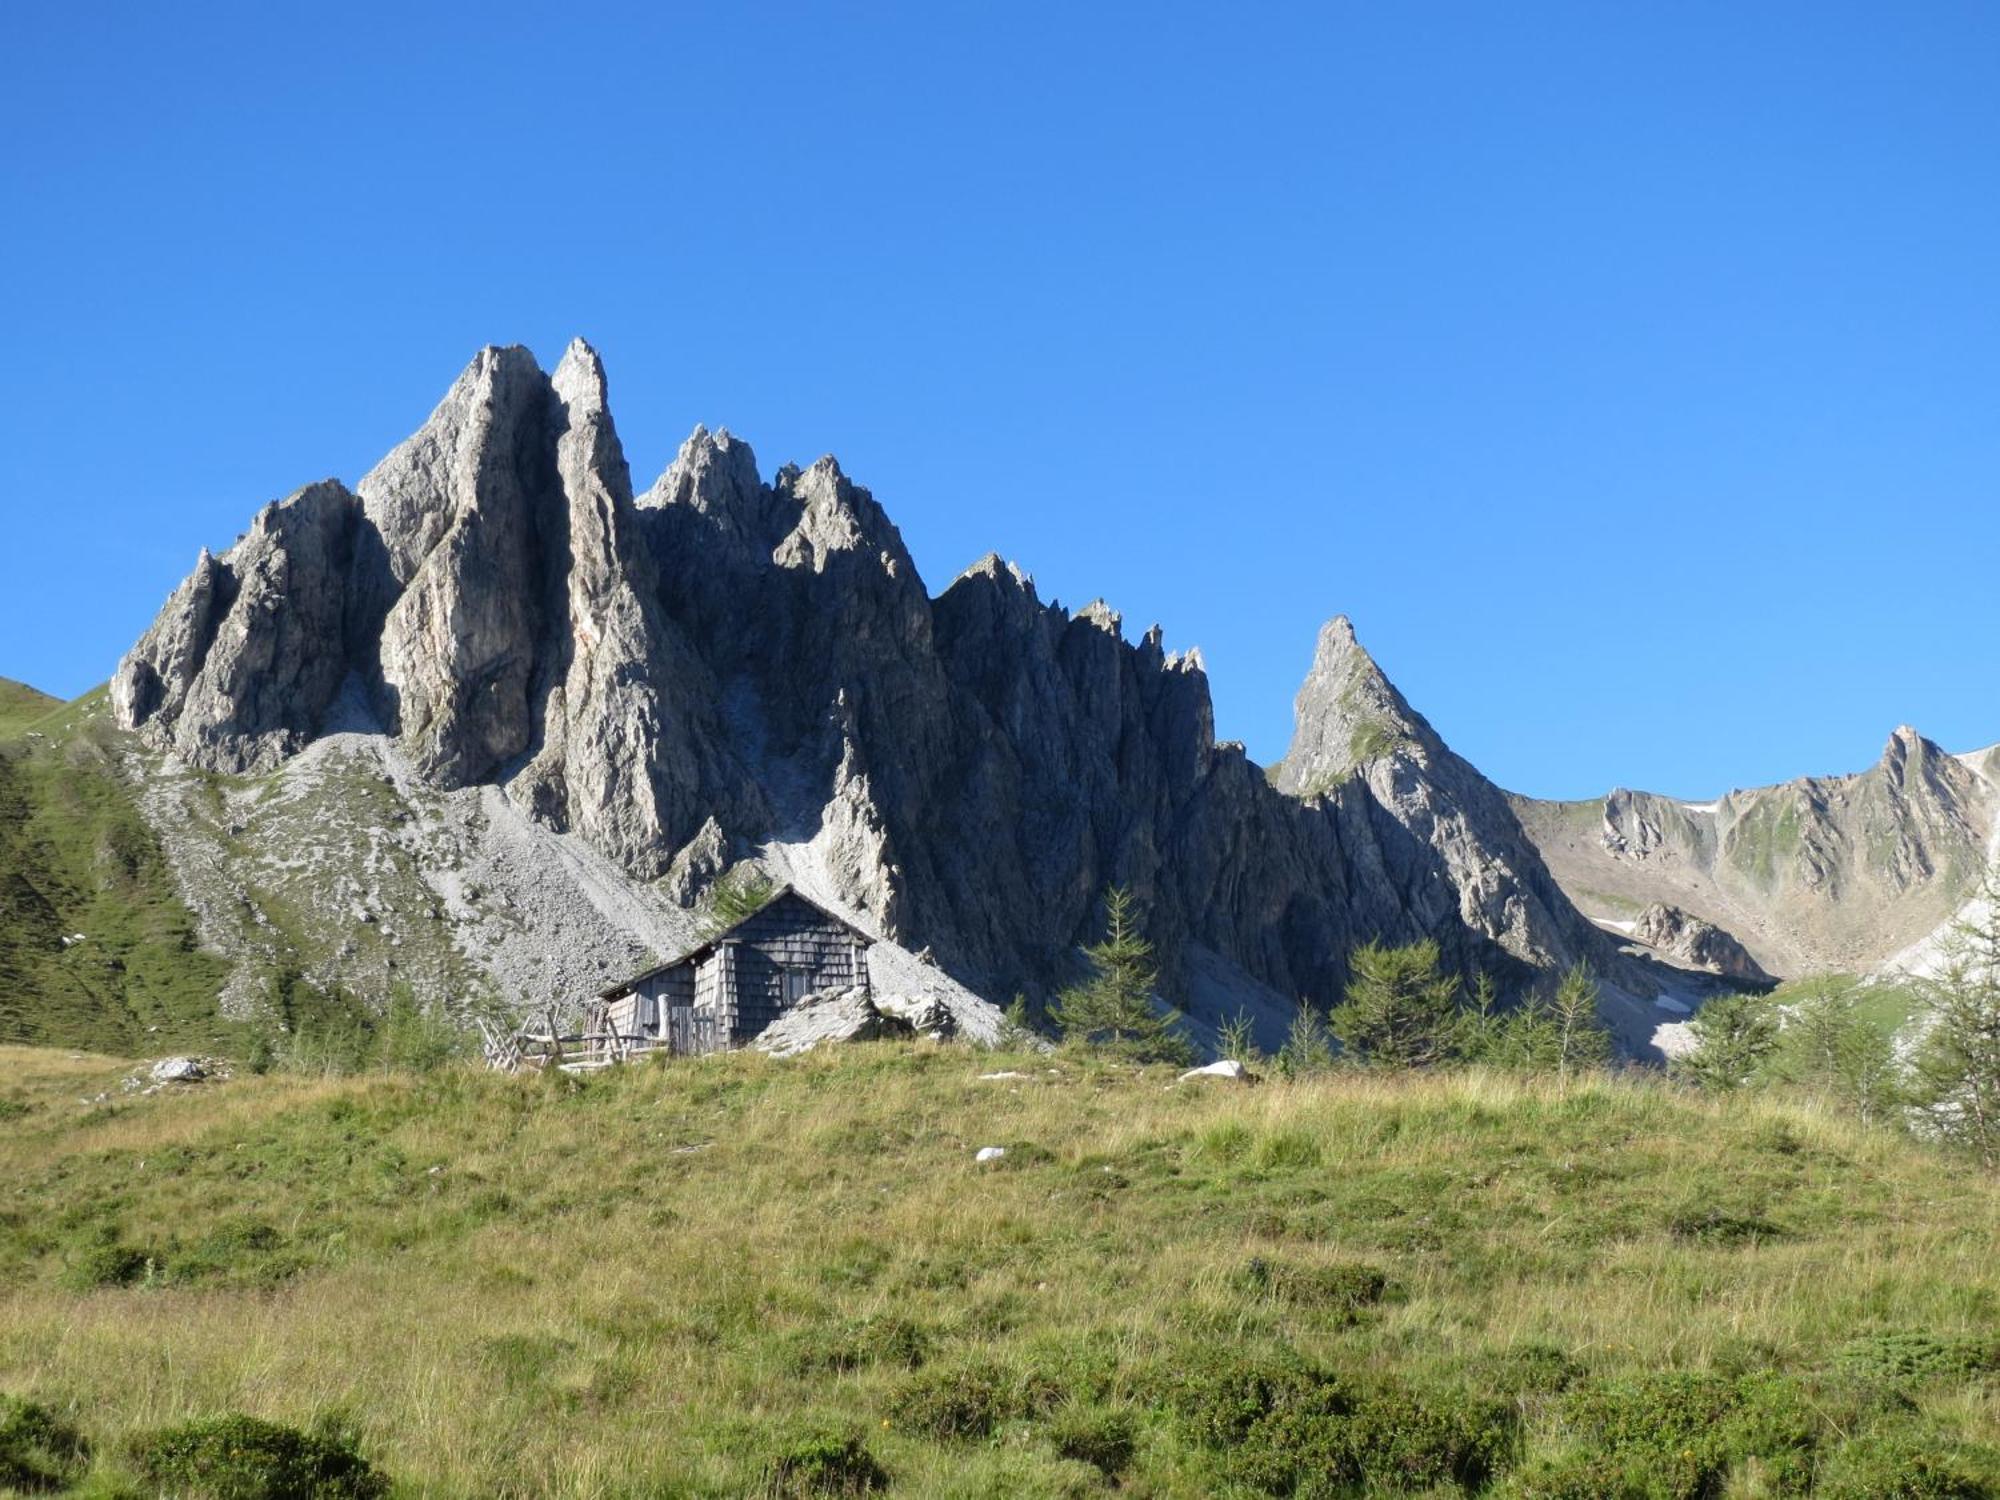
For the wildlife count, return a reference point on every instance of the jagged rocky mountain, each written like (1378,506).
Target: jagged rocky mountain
(724,668)
(1840,873)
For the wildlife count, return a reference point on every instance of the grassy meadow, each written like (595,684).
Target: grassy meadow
(737,1276)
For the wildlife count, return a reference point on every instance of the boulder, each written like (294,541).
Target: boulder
(1699,944)
(178,1070)
(839,1016)
(1228,1069)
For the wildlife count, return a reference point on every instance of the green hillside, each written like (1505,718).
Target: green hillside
(737,1276)
(21,706)
(77,861)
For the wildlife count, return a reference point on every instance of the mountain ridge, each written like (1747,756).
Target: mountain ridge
(720,669)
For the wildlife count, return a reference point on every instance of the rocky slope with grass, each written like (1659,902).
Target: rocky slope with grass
(491,644)
(1836,873)
(745,1276)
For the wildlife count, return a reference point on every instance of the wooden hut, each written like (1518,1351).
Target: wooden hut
(725,991)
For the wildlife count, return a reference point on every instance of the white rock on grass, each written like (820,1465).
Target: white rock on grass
(989,1153)
(1229,1068)
(178,1070)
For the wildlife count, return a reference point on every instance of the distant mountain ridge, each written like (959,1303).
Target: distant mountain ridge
(1820,873)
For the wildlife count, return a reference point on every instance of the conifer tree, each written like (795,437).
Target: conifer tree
(1115,1005)
(1400,1012)
(1734,1036)
(1580,1037)
(1954,1086)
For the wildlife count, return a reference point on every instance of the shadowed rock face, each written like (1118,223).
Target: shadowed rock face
(725,667)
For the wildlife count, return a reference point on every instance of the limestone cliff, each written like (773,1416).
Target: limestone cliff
(725,668)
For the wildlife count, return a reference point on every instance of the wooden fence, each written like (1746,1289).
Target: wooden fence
(685,1031)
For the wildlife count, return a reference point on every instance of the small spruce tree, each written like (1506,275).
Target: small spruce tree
(1734,1038)
(1954,1083)
(1237,1038)
(1308,1046)
(1114,1007)
(1400,1012)
(1829,1048)
(1581,1039)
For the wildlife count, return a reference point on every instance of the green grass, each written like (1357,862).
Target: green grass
(77,857)
(22,707)
(1887,1006)
(739,1276)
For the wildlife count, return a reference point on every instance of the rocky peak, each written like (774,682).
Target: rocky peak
(723,666)
(1347,714)
(714,476)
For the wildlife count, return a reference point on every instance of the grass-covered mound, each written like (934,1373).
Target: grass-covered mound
(737,1276)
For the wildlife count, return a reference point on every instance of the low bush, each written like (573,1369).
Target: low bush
(105,1260)
(1915,1465)
(1288,1427)
(1104,1439)
(1686,1429)
(1713,1225)
(242,1458)
(1343,1288)
(886,1340)
(39,1452)
(823,1463)
(960,1401)
(1917,1357)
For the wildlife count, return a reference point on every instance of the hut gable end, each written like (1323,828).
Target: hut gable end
(754,971)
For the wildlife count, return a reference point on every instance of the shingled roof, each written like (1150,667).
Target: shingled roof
(709,944)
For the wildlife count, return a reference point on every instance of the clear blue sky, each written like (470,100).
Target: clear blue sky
(1630,374)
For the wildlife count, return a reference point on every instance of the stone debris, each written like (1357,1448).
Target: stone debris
(1006,1077)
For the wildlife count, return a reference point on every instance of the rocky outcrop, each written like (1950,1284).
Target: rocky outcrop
(1700,945)
(1837,872)
(1352,724)
(724,668)
(239,668)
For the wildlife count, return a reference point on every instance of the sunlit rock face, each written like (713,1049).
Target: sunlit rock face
(727,667)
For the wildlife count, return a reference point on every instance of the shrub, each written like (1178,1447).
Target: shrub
(963,1401)
(1917,1465)
(38,1450)
(1713,1224)
(1217,1395)
(1921,1356)
(1092,1435)
(241,1458)
(1685,1429)
(823,1463)
(106,1261)
(1342,1288)
(884,1340)
(1526,1369)
(1385,1435)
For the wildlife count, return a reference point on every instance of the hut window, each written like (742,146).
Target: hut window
(649,1012)
(796,984)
